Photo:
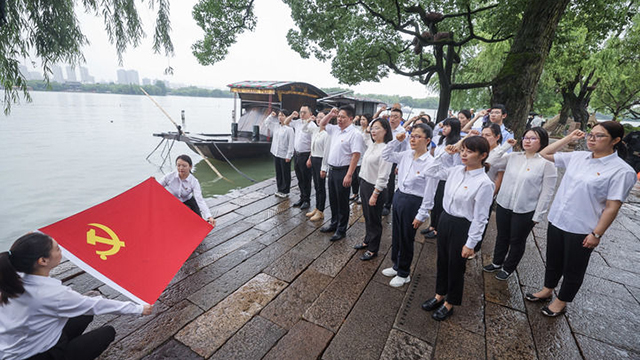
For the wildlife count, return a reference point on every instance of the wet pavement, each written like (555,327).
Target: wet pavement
(266,284)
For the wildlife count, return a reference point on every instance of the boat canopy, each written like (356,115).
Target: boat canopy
(360,104)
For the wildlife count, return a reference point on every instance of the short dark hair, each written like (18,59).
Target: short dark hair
(285,112)
(616,130)
(542,134)
(477,144)
(349,110)
(496,130)
(425,129)
(397,110)
(185,158)
(466,113)
(385,125)
(501,108)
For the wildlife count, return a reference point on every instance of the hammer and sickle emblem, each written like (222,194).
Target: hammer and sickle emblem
(112,240)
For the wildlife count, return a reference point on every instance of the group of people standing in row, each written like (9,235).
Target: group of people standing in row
(456,173)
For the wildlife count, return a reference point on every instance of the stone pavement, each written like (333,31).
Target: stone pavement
(265,284)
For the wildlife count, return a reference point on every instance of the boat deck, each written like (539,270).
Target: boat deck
(266,284)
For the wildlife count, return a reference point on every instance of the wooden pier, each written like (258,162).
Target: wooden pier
(266,284)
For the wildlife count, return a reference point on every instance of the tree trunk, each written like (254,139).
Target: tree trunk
(444,101)
(516,83)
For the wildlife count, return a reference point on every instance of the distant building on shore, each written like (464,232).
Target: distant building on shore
(85,78)
(57,74)
(126,77)
(71,74)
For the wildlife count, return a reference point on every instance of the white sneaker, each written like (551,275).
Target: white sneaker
(389,272)
(399,281)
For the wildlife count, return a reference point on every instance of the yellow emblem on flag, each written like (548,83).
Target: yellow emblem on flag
(112,240)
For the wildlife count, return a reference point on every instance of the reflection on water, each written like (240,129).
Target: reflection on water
(66,152)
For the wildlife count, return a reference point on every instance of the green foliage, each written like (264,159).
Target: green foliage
(49,31)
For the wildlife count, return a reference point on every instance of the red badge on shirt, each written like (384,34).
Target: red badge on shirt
(134,242)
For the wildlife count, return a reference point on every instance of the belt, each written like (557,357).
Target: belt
(336,168)
(296,153)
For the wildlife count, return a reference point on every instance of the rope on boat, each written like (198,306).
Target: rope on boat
(230,164)
(187,140)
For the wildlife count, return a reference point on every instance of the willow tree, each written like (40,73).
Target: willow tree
(48,31)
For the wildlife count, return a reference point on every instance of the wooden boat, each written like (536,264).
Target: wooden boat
(249,136)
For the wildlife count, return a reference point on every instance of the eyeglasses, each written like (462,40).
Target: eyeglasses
(596,136)
(532,139)
(416,137)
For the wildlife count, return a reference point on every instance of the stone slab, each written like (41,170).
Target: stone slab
(83,283)
(596,350)
(289,266)
(339,252)
(253,341)
(506,293)
(224,208)
(531,268)
(172,350)
(287,309)
(189,285)
(276,233)
(365,331)
(210,330)
(216,238)
(634,291)
(304,341)
(402,346)
(144,340)
(335,303)
(218,289)
(508,334)
(456,343)
(249,197)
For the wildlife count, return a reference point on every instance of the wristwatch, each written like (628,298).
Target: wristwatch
(597,236)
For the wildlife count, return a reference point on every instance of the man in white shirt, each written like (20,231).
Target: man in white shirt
(345,150)
(302,150)
(395,117)
(282,138)
(497,114)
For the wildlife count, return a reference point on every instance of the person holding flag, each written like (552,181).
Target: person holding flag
(183,185)
(42,319)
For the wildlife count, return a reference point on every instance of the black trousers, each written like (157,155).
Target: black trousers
(283,174)
(391,187)
(513,230)
(355,182)
(405,209)
(319,183)
(303,173)
(372,215)
(74,345)
(339,199)
(452,235)
(193,205)
(437,204)
(567,259)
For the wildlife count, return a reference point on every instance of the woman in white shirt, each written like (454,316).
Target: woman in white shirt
(42,319)
(523,200)
(593,188)
(374,175)
(412,180)
(183,185)
(317,162)
(282,140)
(468,194)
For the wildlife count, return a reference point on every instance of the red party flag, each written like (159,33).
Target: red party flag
(134,242)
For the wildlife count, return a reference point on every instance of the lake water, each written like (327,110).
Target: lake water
(66,152)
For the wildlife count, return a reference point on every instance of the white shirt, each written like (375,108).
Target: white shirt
(585,188)
(374,169)
(401,130)
(344,143)
(447,161)
(528,184)
(497,161)
(282,138)
(185,190)
(537,121)
(412,177)
(506,134)
(32,323)
(318,139)
(302,142)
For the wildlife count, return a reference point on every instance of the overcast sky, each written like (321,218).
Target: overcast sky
(260,55)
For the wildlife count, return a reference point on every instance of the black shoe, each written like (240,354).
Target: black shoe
(328,228)
(298,203)
(368,255)
(503,275)
(533,298)
(385,211)
(442,313)
(359,246)
(337,236)
(432,304)
(305,205)
(547,312)
(492,268)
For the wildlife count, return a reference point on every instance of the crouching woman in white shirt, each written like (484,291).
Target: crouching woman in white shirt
(468,193)
(523,200)
(42,319)
(594,186)
(183,185)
